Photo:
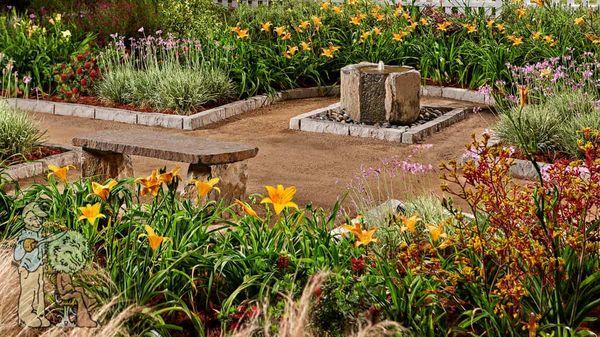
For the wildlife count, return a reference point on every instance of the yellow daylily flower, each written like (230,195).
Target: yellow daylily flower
(377,31)
(379,16)
(168,177)
(490,23)
(410,224)
(291,51)
(280,31)
(151,184)
(246,208)
(521,12)
(406,16)
(304,25)
(352,2)
(424,21)
(444,26)
(549,40)
(317,22)
(305,46)
(471,28)
(328,52)
(357,19)
(242,34)
(515,40)
(280,197)
(365,237)
(500,27)
(204,187)
(364,36)
(60,172)
(103,191)
(154,240)
(413,25)
(536,35)
(579,21)
(325,6)
(265,27)
(399,36)
(235,29)
(337,9)
(436,232)
(91,213)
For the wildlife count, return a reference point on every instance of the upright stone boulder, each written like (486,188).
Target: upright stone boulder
(402,97)
(372,94)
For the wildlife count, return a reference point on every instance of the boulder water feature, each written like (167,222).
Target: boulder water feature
(376,93)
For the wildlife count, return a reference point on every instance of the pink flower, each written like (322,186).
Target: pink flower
(141,30)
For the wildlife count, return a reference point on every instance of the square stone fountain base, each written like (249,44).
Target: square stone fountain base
(333,120)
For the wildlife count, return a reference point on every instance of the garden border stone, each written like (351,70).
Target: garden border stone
(406,135)
(71,156)
(520,169)
(191,122)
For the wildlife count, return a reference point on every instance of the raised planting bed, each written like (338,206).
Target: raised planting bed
(58,155)
(191,122)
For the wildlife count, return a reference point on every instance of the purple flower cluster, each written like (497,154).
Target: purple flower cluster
(558,73)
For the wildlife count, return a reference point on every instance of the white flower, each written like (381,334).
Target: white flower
(66,34)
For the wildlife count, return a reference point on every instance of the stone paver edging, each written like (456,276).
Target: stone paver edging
(191,122)
(406,135)
(71,156)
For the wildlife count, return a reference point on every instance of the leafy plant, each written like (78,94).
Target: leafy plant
(19,135)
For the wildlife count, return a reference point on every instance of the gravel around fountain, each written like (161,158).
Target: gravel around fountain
(341,116)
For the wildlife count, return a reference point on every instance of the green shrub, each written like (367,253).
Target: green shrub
(551,125)
(191,18)
(19,135)
(30,48)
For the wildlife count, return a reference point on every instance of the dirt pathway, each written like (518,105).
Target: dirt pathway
(319,165)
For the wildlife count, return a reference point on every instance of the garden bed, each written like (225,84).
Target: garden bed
(59,155)
(191,122)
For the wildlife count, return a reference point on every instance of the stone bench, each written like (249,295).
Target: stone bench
(106,155)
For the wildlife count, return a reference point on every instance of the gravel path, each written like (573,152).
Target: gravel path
(319,165)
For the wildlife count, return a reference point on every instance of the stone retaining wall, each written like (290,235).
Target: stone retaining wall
(191,122)
(71,156)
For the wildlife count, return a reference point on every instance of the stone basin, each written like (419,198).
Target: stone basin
(373,94)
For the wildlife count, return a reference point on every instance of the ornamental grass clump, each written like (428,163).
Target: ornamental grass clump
(162,74)
(19,134)
(551,126)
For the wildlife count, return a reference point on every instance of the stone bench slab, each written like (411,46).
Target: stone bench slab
(166,146)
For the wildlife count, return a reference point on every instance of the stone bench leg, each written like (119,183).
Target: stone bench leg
(104,165)
(233,177)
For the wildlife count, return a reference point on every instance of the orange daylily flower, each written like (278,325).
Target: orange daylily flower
(204,187)
(242,34)
(357,19)
(354,226)
(103,191)
(365,237)
(471,28)
(410,224)
(291,51)
(536,35)
(266,27)
(154,240)
(246,208)
(579,21)
(500,27)
(328,52)
(60,172)
(377,31)
(304,25)
(521,12)
(280,31)
(91,213)
(280,197)
(168,177)
(325,5)
(436,232)
(523,93)
(444,26)
(424,21)
(337,9)
(150,184)
(399,36)
(305,45)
